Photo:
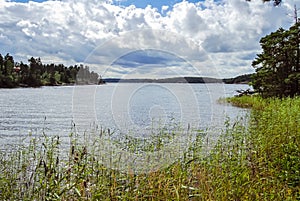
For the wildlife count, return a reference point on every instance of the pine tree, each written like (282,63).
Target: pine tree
(277,67)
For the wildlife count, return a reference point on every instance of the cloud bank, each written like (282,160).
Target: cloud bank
(218,39)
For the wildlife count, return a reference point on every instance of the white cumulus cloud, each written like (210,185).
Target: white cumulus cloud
(223,35)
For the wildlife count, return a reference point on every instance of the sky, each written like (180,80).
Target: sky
(142,38)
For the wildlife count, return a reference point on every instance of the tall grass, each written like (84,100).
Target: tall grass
(259,160)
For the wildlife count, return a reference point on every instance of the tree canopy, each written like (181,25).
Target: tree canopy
(277,67)
(35,74)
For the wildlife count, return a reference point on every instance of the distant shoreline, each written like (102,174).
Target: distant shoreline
(243,79)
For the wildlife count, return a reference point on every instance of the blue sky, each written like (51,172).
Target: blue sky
(215,39)
(156,3)
(138,3)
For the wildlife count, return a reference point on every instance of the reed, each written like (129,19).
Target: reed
(257,158)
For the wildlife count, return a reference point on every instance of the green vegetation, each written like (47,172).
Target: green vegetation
(241,79)
(14,74)
(257,160)
(278,66)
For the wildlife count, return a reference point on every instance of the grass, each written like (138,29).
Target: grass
(259,160)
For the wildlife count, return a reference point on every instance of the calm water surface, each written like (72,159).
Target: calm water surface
(121,107)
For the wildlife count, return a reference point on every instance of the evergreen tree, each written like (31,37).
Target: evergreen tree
(8,64)
(277,67)
(1,63)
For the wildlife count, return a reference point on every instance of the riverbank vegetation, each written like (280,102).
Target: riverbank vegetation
(259,160)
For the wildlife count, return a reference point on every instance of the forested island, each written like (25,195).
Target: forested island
(35,74)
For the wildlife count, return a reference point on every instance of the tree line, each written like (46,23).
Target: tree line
(278,66)
(36,74)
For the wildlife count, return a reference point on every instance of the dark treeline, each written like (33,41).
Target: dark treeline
(36,74)
(278,66)
(241,79)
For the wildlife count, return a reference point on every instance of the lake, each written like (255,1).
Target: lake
(122,107)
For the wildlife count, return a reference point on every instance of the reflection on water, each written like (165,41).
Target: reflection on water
(120,107)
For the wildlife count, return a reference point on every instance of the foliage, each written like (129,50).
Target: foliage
(84,76)
(255,159)
(254,102)
(35,74)
(278,66)
(241,79)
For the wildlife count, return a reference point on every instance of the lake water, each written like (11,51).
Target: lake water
(121,107)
